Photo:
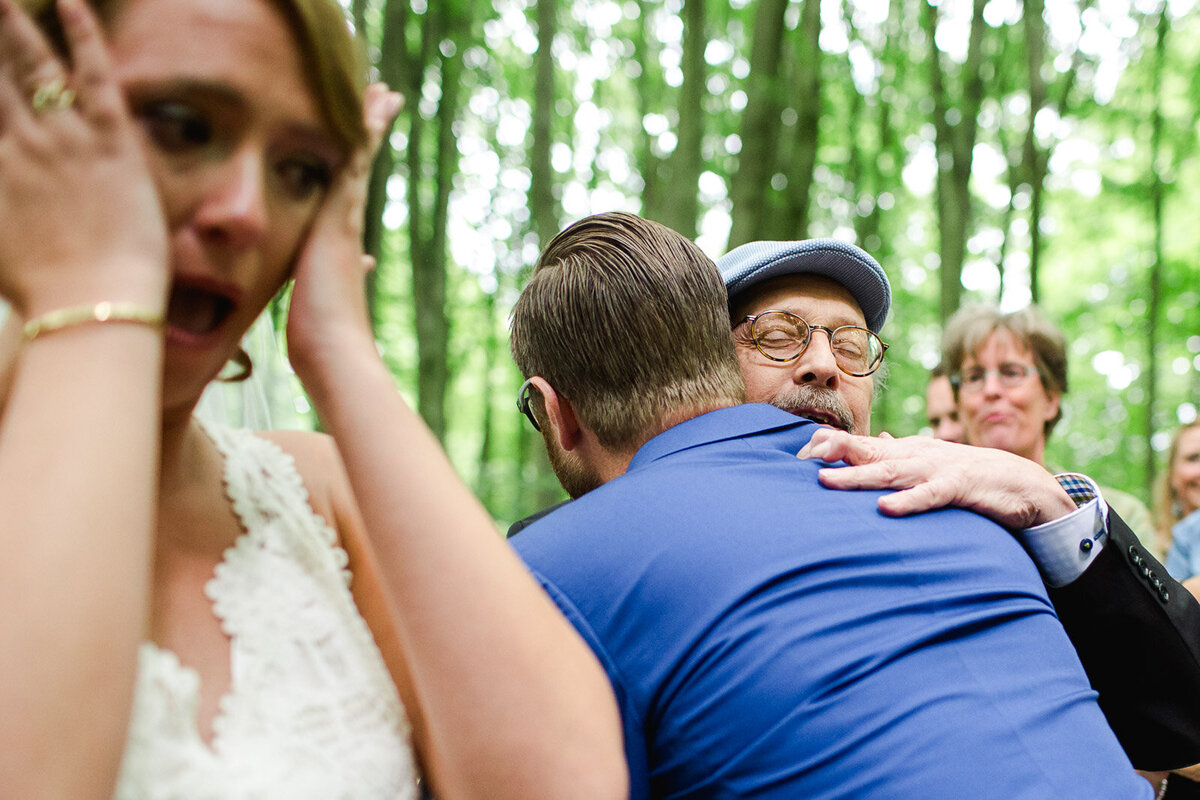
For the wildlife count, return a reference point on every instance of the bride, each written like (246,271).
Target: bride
(195,611)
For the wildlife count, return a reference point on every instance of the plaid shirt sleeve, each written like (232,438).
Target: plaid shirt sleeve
(1064,548)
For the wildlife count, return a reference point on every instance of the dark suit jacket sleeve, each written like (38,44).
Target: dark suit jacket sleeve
(522,524)
(1137,632)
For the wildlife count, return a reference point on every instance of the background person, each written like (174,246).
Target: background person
(1011,374)
(941,407)
(1183,560)
(204,613)
(1177,492)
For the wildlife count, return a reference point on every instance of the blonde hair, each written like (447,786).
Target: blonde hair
(1168,508)
(334,61)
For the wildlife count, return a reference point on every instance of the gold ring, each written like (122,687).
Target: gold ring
(52,95)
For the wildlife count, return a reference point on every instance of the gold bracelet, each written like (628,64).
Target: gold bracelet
(93,313)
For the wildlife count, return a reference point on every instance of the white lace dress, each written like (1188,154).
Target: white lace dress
(312,711)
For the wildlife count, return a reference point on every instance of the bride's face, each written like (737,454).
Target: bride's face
(241,155)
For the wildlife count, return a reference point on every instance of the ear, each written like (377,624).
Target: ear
(561,422)
(1054,399)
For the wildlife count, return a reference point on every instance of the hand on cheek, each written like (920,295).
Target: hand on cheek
(328,300)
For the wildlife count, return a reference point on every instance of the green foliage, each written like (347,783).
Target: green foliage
(615,123)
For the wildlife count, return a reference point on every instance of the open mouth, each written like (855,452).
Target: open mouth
(822,417)
(197,311)
(816,403)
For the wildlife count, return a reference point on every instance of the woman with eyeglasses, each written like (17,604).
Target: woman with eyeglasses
(1010,374)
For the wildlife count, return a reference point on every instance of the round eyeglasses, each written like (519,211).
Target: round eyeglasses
(784,336)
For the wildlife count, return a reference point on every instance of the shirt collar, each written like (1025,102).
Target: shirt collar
(733,422)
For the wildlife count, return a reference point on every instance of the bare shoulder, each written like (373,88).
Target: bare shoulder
(320,467)
(311,448)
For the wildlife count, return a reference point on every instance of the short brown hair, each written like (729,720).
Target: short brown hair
(971,326)
(628,320)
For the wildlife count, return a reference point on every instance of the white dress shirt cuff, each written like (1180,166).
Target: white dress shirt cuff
(1063,548)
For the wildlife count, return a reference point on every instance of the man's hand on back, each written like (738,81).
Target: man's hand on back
(929,473)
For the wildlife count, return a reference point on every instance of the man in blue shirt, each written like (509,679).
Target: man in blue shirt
(767,637)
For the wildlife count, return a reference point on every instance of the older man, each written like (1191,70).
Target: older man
(783,293)
(1136,631)
(767,637)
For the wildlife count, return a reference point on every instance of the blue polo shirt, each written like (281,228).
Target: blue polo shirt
(768,638)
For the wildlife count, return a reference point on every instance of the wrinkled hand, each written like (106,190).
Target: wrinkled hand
(929,474)
(82,219)
(328,300)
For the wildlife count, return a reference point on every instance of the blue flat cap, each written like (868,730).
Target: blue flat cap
(755,262)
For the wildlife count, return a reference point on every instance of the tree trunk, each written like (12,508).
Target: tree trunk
(955,150)
(807,90)
(358,13)
(396,70)
(687,161)
(760,126)
(1157,191)
(541,184)
(1034,157)
(491,355)
(428,201)
(534,479)
(649,92)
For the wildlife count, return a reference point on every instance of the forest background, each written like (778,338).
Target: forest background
(1002,151)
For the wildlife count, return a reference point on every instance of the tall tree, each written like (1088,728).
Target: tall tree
(398,68)
(955,128)
(536,482)
(444,30)
(1157,190)
(805,87)
(687,161)
(1034,157)
(541,184)
(760,123)
(649,89)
